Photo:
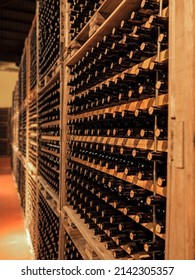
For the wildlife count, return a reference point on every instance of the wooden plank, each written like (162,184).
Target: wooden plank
(50,123)
(57,138)
(124,142)
(77,239)
(180,224)
(49,200)
(129,106)
(48,189)
(50,152)
(50,81)
(88,236)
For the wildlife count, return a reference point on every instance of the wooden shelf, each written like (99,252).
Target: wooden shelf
(33,134)
(33,152)
(49,80)
(55,170)
(142,104)
(54,108)
(87,234)
(49,194)
(32,95)
(50,123)
(162,145)
(23,106)
(57,138)
(122,12)
(33,116)
(77,239)
(50,152)
(148,185)
(35,125)
(31,168)
(22,158)
(32,143)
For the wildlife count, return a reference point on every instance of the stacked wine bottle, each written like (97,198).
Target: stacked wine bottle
(48,231)
(33,59)
(31,210)
(71,252)
(49,34)
(80,13)
(49,132)
(21,182)
(33,131)
(117,135)
(22,131)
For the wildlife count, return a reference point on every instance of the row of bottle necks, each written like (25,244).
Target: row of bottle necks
(50,111)
(146,133)
(97,74)
(103,95)
(141,169)
(105,183)
(138,124)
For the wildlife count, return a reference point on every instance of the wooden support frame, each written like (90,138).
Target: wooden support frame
(180,236)
(180,191)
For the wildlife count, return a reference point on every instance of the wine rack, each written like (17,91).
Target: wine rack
(33,56)
(23,104)
(80,13)
(48,231)
(33,132)
(14,121)
(22,131)
(5,131)
(49,35)
(31,210)
(21,181)
(49,133)
(117,132)
(93,122)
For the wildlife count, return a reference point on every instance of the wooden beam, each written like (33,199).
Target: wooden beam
(180,243)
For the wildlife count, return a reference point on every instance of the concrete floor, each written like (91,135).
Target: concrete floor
(13,238)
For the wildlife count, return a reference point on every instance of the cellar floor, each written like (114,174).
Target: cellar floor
(13,238)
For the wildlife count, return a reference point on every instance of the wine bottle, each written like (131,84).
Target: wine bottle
(160,226)
(157,246)
(156,200)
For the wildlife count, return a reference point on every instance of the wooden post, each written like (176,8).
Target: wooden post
(180,240)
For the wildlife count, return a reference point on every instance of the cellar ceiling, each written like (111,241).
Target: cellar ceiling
(15,21)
